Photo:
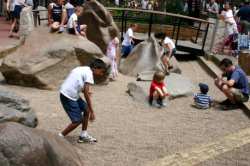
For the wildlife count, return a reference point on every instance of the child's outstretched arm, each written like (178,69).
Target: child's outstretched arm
(87,94)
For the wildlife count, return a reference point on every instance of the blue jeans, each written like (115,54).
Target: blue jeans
(126,50)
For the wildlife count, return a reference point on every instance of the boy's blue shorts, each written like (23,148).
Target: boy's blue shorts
(74,109)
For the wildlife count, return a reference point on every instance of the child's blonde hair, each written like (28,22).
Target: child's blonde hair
(159,76)
(79,9)
(113,32)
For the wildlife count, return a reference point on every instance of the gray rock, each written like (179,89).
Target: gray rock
(145,58)
(16,109)
(177,85)
(24,146)
(99,21)
(45,59)
(26,21)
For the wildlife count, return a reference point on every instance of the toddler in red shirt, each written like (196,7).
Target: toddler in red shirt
(158,90)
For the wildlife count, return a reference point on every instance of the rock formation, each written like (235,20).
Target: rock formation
(16,109)
(45,59)
(99,21)
(20,145)
(145,58)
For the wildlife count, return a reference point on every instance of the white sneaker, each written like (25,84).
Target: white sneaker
(87,138)
(60,135)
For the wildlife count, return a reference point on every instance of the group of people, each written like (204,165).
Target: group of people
(236,22)
(61,14)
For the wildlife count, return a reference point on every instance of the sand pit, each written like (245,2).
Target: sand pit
(131,134)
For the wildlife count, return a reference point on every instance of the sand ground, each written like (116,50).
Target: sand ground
(130,134)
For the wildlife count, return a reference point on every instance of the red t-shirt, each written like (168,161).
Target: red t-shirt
(155,85)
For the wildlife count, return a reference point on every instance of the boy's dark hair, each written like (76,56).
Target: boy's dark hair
(203,88)
(160,35)
(98,64)
(158,76)
(226,62)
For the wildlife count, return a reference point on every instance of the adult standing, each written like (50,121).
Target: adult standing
(127,43)
(230,28)
(244,15)
(236,85)
(213,11)
(18,6)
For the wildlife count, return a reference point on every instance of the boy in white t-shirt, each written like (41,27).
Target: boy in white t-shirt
(73,26)
(127,43)
(79,111)
(169,50)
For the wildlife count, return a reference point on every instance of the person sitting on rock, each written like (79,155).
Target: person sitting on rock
(158,91)
(112,53)
(57,16)
(73,25)
(127,43)
(235,87)
(202,100)
(79,111)
(167,52)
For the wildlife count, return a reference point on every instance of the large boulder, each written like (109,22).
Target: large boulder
(145,57)
(177,86)
(24,146)
(99,21)
(16,109)
(46,58)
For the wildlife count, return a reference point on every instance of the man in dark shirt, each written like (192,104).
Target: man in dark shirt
(236,87)
(244,15)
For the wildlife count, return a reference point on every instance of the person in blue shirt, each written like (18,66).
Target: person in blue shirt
(235,86)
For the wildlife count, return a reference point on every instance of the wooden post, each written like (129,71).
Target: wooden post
(244,61)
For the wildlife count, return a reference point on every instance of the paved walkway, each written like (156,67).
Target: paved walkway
(205,152)
(6,43)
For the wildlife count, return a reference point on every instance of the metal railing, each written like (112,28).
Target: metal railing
(177,21)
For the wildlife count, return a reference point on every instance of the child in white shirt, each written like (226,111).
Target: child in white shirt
(73,26)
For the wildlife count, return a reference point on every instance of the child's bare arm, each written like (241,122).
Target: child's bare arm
(87,93)
(75,28)
(165,91)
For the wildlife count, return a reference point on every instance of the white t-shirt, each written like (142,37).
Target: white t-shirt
(167,40)
(69,6)
(144,4)
(231,26)
(19,2)
(74,83)
(73,18)
(127,38)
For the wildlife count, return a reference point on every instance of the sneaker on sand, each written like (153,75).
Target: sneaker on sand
(86,138)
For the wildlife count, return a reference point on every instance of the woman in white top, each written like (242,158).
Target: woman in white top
(230,30)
